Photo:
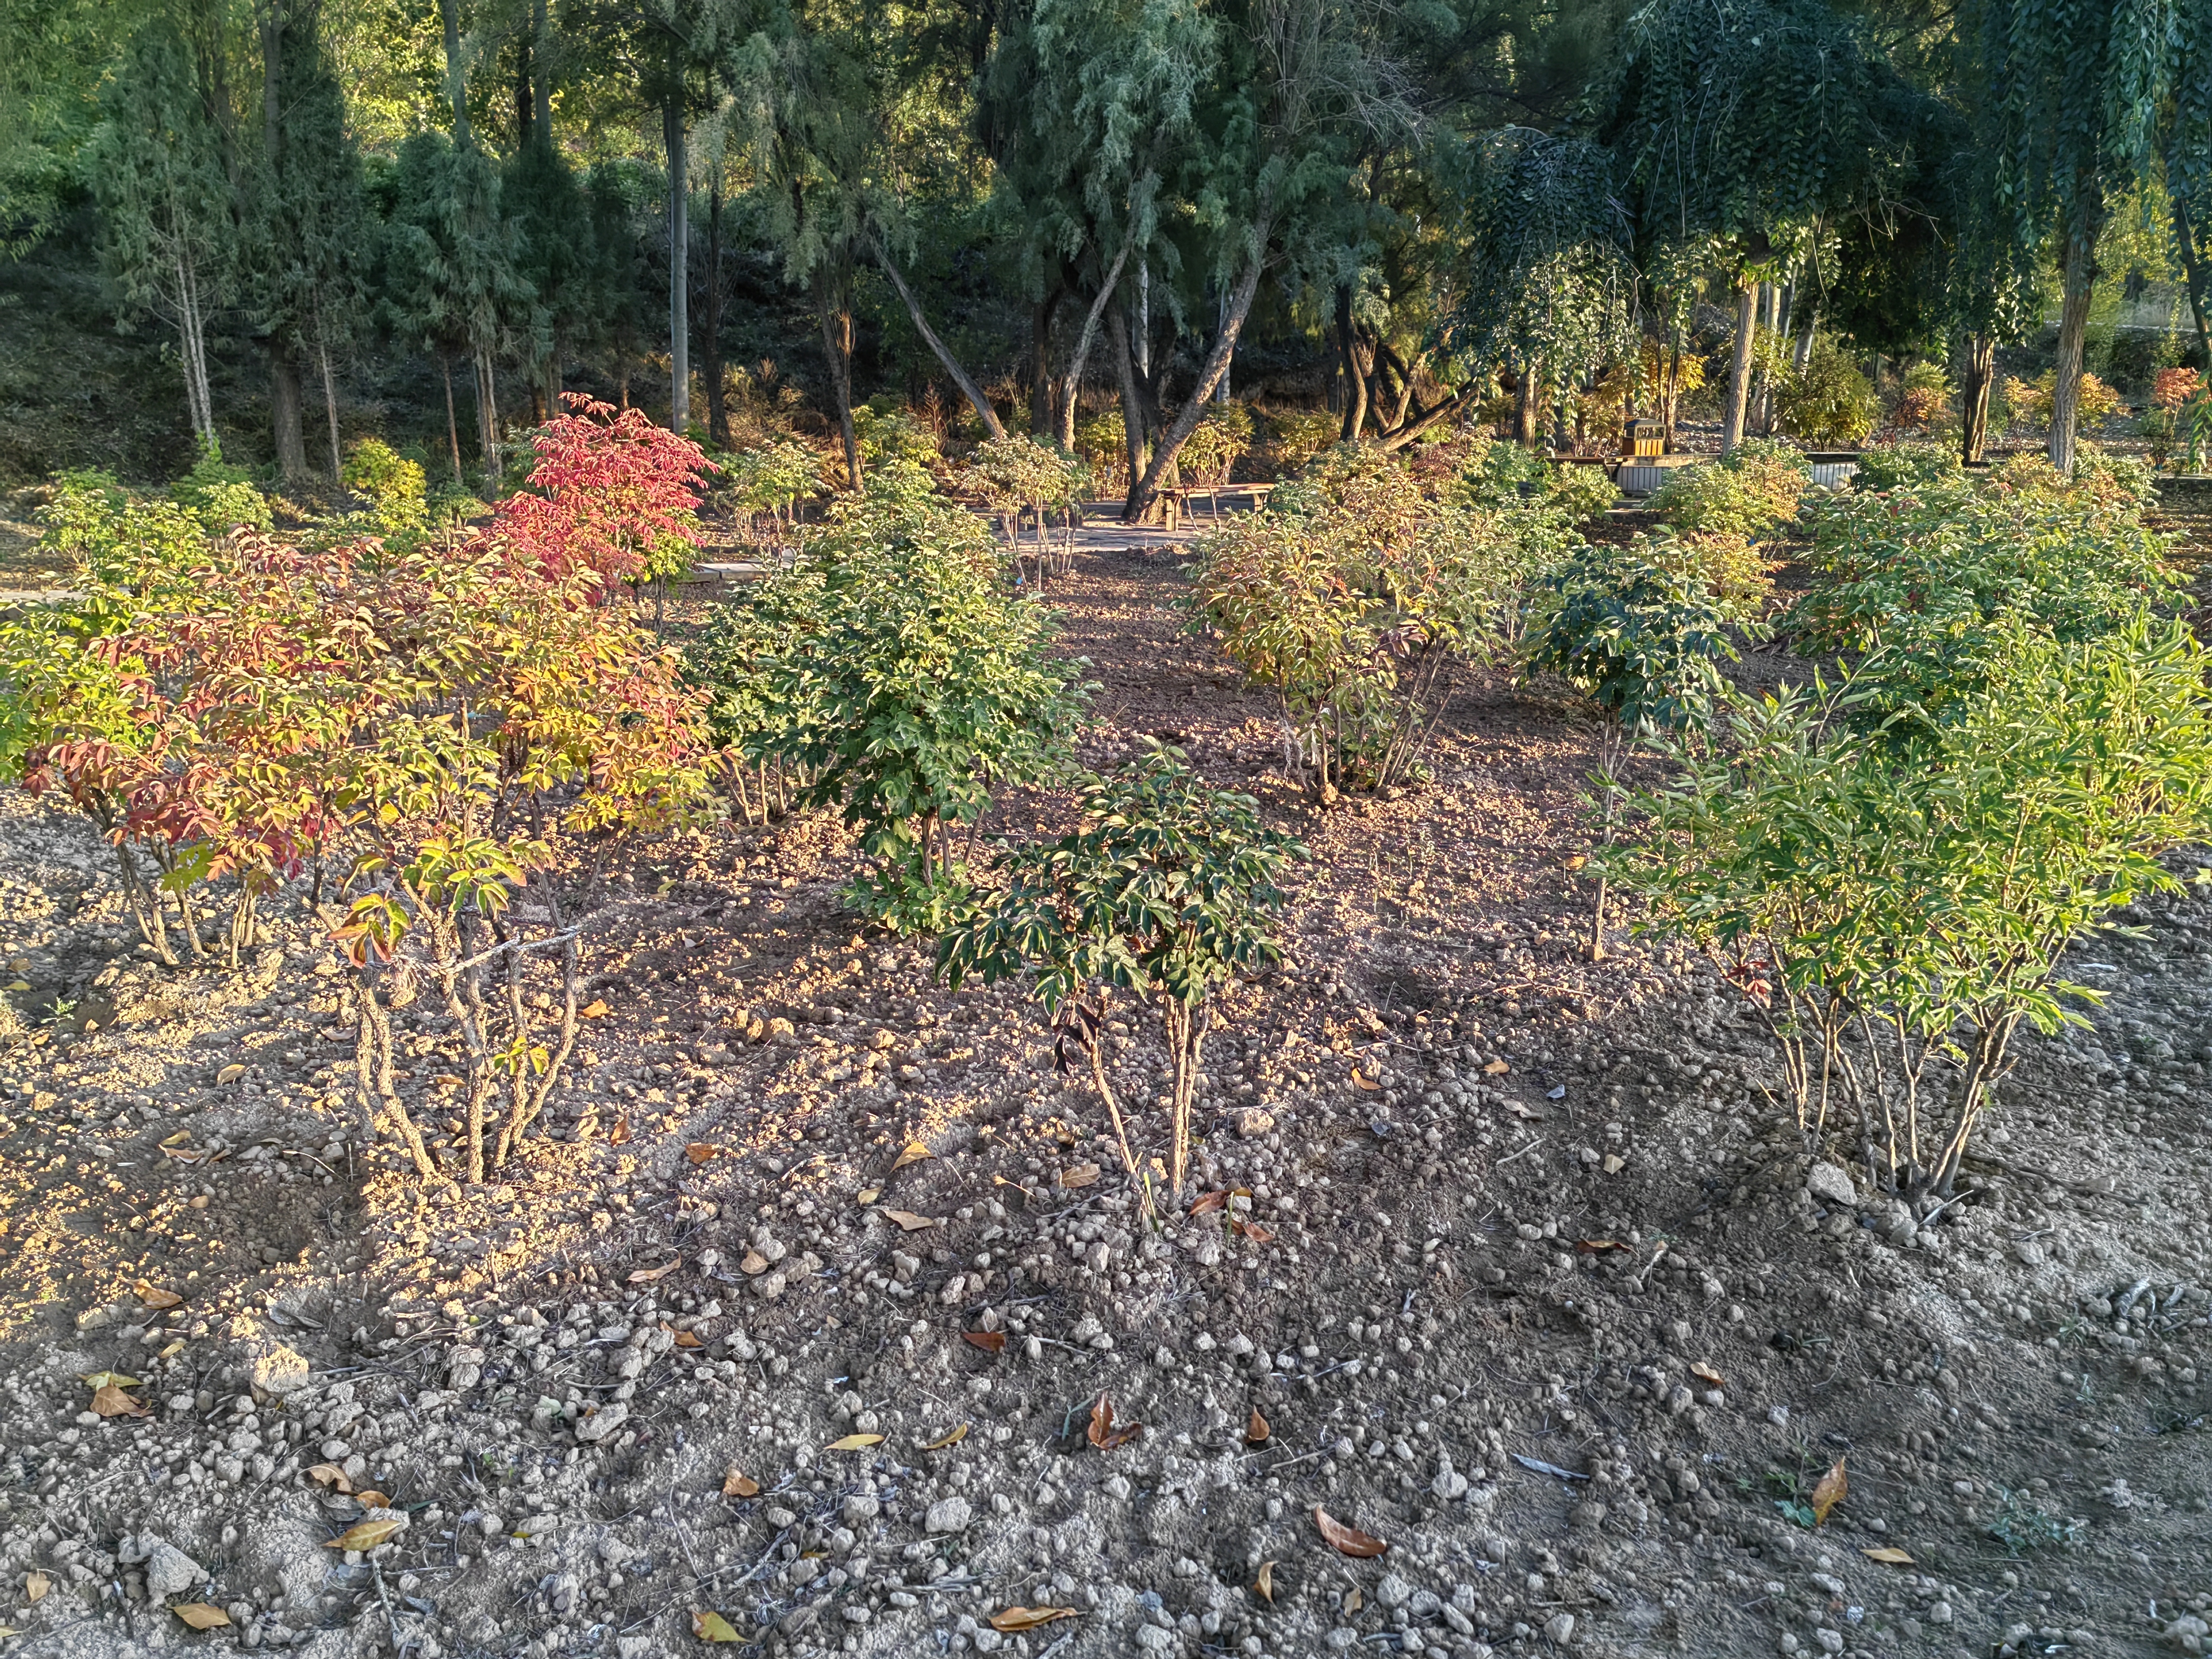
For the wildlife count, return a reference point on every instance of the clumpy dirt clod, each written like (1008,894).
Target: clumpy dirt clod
(842,1332)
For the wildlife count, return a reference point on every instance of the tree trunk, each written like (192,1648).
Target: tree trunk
(679,265)
(1762,402)
(2195,276)
(1143,491)
(969,389)
(2081,274)
(193,344)
(1066,434)
(284,410)
(718,408)
(1354,372)
(1802,358)
(1133,406)
(330,401)
(832,303)
(488,419)
(457,81)
(452,427)
(1526,413)
(541,76)
(1042,402)
(1974,396)
(1737,405)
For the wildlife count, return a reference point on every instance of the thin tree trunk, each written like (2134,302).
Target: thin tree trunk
(969,389)
(1526,413)
(330,401)
(1132,411)
(1974,396)
(1737,405)
(541,75)
(832,303)
(2073,327)
(679,265)
(187,330)
(717,407)
(1066,434)
(1355,371)
(488,416)
(457,83)
(453,426)
(1144,491)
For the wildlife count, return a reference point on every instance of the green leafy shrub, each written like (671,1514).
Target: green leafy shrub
(222,497)
(1726,563)
(1495,473)
(1295,436)
(1751,491)
(1008,475)
(1101,442)
(770,479)
(1890,466)
(1352,594)
(1898,911)
(395,487)
(1166,889)
(1222,435)
(2028,403)
(1829,403)
(1924,401)
(900,681)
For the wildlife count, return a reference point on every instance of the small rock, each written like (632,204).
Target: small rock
(279,1370)
(1561,1627)
(1150,1638)
(1939,1613)
(169,1571)
(948,1515)
(1830,1640)
(1253,1122)
(1830,1184)
(603,1422)
(1392,1591)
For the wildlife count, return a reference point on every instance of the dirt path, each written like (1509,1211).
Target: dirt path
(603,1395)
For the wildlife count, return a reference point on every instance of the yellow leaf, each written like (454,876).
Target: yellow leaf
(698,1151)
(712,1627)
(157,1298)
(1829,1491)
(870,1194)
(1264,1585)
(854,1443)
(36,1586)
(331,1476)
(177,1138)
(1368,1084)
(1018,1619)
(595,1009)
(1496,1068)
(650,1275)
(909,1221)
(949,1438)
(98,1380)
(736,1484)
(230,1074)
(372,1499)
(366,1534)
(1890,1556)
(914,1152)
(200,1616)
(1083,1174)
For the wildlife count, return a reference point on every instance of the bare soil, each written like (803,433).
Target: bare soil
(1531,1286)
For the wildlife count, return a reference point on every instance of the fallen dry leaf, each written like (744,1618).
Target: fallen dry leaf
(1104,1433)
(712,1627)
(1598,1246)
(1264,1584)
(988,1341)
(366,1534)
(230,1074)
(111,1402)
(652,1275)
(1253,1230)
(1207,1203)
(736,1484)
(1527,1113)
(595,1009)
(1705,1373)
(1359,1081)
(1575,862)
(1257,1429)
(1890,1556)
(1017,1619)
(200,1616)
(913,1152)
(698,1151)
(1083,1174)
(909,1221)
(1496,1068)
(1354,1599)
(688,1340)
(753,1264)
(372,1499)
(1829,1491)
(36,1586)
(869,1194)
(331,1476)
(1347,1540)
(949,1438)
(854,1443)
(154,1298)
(619,1135)
(98,1380)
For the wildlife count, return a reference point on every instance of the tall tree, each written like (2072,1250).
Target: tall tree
(166,202)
